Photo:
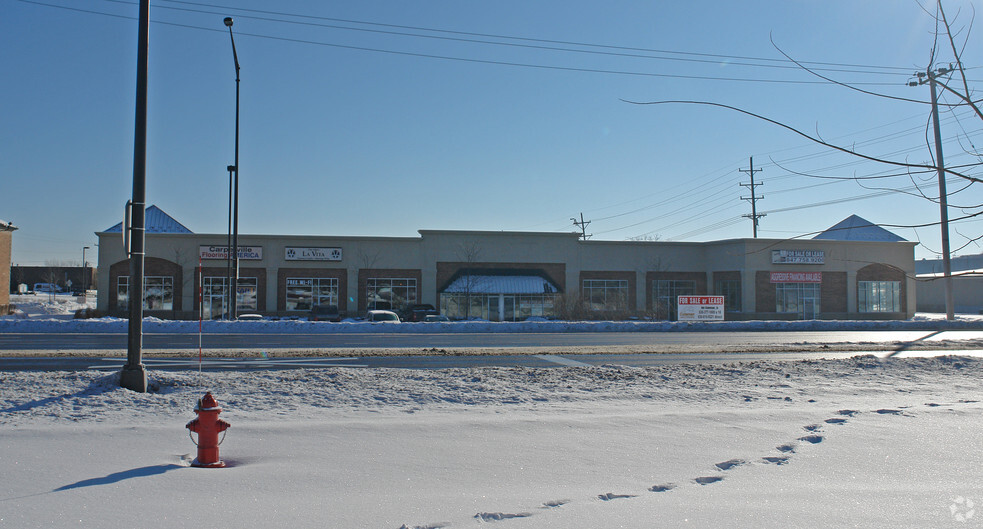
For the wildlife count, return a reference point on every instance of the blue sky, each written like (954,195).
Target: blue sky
(386,117)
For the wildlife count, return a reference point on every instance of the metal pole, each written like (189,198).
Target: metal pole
(84,290)
(235,213)
(227,297)
(943,200)
(133,375)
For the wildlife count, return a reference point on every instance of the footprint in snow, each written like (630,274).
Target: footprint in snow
(498,516)
(779,460)
(554,504)
(812,428)
(814,439)
(708,480)
(428,526)
(848,413)
(612,496)
(662,488)
(787,448)
(889,412)
(727,465)
(835,420)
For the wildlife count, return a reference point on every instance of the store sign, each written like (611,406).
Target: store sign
(251,253)
(803,257)
(291,282)
(796,277)
(700,308)
(298,253)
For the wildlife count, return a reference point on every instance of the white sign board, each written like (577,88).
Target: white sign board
(298,253)
(252,253)
(800,257)
(700,308)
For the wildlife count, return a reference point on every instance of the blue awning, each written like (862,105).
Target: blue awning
(485,284)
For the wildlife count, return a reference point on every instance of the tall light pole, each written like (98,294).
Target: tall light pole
(84,248)
(234,284)
(134,375)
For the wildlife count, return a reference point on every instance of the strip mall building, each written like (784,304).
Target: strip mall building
(851,271)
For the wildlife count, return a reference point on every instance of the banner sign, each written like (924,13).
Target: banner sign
(700,308)
(805,257)
(292,282)
(297,253)
(796,277)
(251,253)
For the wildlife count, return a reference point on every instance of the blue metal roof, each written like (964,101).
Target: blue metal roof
(854,228)
(485,284)
(157,222)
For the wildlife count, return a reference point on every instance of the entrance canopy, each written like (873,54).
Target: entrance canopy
(487,284)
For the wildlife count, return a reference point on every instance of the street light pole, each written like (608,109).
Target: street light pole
(134,375)
(84,290)
(235,211)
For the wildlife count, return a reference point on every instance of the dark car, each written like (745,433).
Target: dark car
(324,313)
(419,312)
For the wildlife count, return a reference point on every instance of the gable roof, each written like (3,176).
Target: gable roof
(854,228)
(156,222)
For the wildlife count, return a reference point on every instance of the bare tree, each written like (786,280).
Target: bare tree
(469,252)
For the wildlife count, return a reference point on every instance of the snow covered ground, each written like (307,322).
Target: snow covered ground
(844,443)
(861,442)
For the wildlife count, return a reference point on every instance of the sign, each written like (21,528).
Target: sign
(297,253)
(251,253)
(796,277)
(700,308)
(803,257)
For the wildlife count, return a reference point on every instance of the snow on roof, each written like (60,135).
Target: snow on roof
(7,226)
(485,284)
(854,228)
(156,222)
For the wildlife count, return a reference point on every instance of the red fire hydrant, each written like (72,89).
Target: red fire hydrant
(207,426)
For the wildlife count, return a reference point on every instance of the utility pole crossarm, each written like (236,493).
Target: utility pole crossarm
(753,199)
(583,227)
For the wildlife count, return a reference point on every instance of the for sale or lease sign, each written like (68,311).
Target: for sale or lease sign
(700,308)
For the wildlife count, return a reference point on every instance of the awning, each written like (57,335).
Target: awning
(485,284)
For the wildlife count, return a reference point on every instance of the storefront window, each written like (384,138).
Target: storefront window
(158,293)
(665,294)
(389,293)
(497,307)
(606,294)
(801,298)
(304,292)
(730,289)
(214,296)
(879,296)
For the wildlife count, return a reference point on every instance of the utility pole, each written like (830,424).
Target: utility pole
(929,77)
(753,198)
(582,225)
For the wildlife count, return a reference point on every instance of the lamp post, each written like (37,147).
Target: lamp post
(84,289)
(234,280)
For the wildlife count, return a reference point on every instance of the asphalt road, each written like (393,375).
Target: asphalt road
(328,344)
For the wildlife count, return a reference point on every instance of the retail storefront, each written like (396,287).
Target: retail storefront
(511,276)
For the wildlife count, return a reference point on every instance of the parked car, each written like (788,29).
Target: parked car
(382,316)
(435,317)
(249,317)
(419,312)
(46,287)
(324,313)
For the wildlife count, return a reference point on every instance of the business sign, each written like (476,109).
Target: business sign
(700,308)
(803,257)
(298,253)
(796,277)
(250,253)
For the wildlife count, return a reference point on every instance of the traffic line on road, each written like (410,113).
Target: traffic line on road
(563,361)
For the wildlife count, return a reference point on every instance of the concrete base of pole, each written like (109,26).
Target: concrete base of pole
(134,378)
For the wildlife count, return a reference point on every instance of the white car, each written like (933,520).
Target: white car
(381,316)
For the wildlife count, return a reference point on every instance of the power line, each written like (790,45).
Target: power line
(753,199)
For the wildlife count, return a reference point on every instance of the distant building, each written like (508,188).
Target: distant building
(6,241)
(967,284)
(851,271)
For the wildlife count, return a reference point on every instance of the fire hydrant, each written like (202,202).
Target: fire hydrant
(207,426)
